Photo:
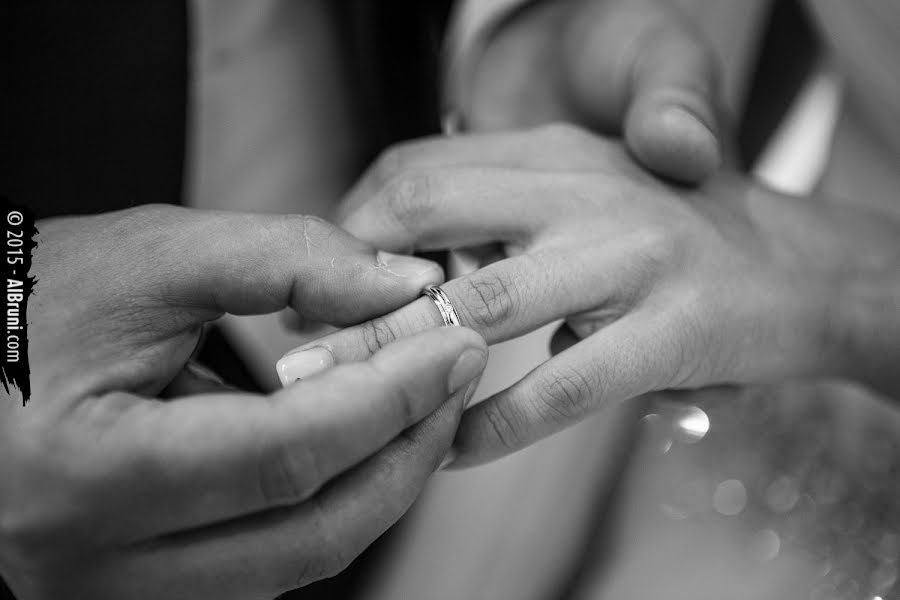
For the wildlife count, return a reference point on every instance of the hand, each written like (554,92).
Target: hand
(635,67)
(108,492)
(669,288)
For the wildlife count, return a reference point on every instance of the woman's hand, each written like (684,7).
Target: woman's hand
(108,492)
(632,67)
(669,288)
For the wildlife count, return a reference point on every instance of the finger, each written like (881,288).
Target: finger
(641,65)
(262,556)
(457,207)
(572,150)
(292,321)
(200,459)
(671,125)
(503,300)
(214,262)
(627,358)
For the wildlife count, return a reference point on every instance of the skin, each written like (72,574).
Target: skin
(106,344)
(508,72)
(638,69)
(662,97)
(133,474)
(667,287)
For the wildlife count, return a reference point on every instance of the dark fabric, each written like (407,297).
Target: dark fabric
(788,52)
(393,50)
(93,103)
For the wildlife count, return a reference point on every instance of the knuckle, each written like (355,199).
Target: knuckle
(409,197)
(288,472)
(489,298)
(565,395)
(391,161)
(658,248)
(400,395)
(504,426)
(331,556)
(376,334)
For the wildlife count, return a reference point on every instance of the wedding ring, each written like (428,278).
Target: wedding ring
(444,306)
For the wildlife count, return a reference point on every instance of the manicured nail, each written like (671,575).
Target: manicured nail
(300,365)
(468,366)
(409,267)
(449,458)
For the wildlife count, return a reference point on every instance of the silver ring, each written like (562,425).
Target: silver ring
(444,306)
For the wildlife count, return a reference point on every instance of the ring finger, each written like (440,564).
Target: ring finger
(501,301)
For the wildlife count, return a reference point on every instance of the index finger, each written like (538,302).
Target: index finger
(283,549)
(205,263)
(202,459)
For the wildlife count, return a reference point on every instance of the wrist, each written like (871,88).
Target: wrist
(837,282)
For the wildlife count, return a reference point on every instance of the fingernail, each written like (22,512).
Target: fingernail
(681,120)
(200,371)
(468,366)
(300,365)
(449,458)
(409,267)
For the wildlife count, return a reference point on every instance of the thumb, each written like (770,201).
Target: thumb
(641,66)
(209,263)
(144,280)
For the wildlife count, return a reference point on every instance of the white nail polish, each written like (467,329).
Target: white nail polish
(300,365)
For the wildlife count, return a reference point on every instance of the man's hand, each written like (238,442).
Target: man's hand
(631,67)
(108,492)
(668,288)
